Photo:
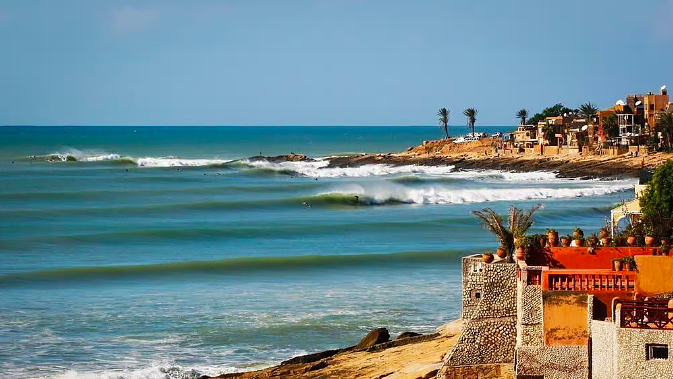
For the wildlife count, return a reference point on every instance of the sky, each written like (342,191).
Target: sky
(322,62)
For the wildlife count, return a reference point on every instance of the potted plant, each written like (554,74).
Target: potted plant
(629,264)
(605,236)
(593,240)
(649,235)
(487,257)
(501,252)
(664,249)
(617,264)
(565,241)
(520,247)
(604,232)
(552,237)
(518,222)
(578,233)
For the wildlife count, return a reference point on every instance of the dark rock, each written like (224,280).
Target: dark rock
(374,337)
(318,366)
(407,335)
(309,358)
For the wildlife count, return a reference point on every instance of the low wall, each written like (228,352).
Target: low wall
(554,362)
(655,274)
(579,257)
(480,372)
(602,349)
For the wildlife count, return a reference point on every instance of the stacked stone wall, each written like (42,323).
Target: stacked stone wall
(489,333)
(602,349)
(481,372)
(553,362)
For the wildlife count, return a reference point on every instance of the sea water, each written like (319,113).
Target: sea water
(163,252)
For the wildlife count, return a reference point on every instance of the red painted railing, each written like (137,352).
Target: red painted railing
(644,315)
(588,280)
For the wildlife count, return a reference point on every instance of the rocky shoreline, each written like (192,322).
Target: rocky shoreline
(410,355)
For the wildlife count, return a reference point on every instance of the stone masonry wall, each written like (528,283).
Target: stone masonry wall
(481,372)
(632,360)
(554,362)
(602,349)
(489,332)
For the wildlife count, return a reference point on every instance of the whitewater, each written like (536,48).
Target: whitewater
(160,252)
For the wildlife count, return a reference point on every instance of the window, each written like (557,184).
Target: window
(477,295)
(656,351)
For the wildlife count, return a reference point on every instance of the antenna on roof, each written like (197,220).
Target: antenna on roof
(619,102)
(638,103)
(663,88)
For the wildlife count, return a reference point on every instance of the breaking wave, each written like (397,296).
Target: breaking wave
(73,155)
(164,370)
(436,194)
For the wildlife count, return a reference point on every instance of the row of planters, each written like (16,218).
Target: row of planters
(633,236)
(525,246)
(624,264)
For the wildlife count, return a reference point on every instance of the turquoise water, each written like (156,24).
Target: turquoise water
(161,252)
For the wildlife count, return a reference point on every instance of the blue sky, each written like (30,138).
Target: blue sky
(322,62)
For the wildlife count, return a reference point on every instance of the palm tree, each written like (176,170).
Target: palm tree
(443,114)
(588,111)
(518,223)
(522,115)
(471,114)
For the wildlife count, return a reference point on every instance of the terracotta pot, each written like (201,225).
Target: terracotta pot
(579,242)
(664,241)
(565,241)
(603,234)
(626,266)
(631,240)
(543,241)
(605,241)
(617,265)
(520,253)
(502,253)
(576,235)
(592,241)
(552,239)
(649,241)
(487,258)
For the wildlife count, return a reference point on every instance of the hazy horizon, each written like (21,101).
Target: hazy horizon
(315,63)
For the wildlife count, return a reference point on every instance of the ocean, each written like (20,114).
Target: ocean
(162,252)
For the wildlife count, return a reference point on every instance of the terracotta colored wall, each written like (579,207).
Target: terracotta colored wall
(655,274)
(565,318)
(579,257)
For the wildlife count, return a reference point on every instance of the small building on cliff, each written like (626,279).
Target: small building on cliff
(565,313)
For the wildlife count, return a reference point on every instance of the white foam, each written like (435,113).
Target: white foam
(176,162)
(319,169)
(156,371)
(436,194)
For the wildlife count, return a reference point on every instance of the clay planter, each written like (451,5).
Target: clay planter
(565,241)
(649,241)
(543,241)
(520,253)
(579,242)
(617,265)
(664,241)
(603,234)
(576,235)
(487,258)
(631,240)
(592,241)
(605,241)
(501,253)
(552,239)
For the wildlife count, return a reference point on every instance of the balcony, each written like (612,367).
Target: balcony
(644,314)
(590,280)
